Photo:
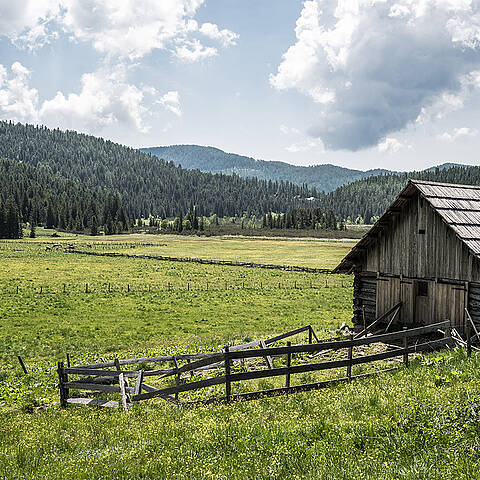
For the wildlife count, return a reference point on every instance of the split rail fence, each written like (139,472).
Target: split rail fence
(230,366)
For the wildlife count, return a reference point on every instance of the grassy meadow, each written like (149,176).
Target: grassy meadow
(421,422)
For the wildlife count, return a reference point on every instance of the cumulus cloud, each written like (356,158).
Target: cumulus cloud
(194,51)
(129,29)
(373,67)
(457,133)
(105,98)
(171,101)
(391,145)
(18,101)
(225,37)
(28,22)
(122,32)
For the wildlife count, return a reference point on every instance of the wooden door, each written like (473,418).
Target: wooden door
(450,304)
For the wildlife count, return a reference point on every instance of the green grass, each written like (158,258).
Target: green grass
(421,423)
(416,423)
(308,252)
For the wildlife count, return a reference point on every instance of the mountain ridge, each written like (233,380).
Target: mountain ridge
(325,177)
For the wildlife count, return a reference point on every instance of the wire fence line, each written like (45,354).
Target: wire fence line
(112,287)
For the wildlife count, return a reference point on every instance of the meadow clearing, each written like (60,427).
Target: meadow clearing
(422,422)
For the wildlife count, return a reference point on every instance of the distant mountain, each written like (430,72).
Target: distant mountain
(75,177)
(209,159)
(370,197)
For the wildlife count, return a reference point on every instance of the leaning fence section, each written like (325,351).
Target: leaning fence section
(255,360)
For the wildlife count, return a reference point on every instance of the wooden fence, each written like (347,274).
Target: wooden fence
(205,261)
(230,367)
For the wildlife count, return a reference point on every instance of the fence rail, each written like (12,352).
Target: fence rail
(262,351)
(205,261)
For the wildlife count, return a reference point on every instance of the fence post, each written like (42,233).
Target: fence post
(289,361)
(177,376)
(228,386)
(469,339)
(405,346)
(24,368)
(350,356)
(61,381)
(310,334)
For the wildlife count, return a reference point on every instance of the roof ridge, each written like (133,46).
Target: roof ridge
(442,184)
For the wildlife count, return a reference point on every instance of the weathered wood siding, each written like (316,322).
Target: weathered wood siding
(438,253)
(364,297)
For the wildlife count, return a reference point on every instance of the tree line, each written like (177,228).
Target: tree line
(143,184)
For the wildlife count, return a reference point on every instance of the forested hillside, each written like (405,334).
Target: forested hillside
(68,172)
(209,159)
(370,197)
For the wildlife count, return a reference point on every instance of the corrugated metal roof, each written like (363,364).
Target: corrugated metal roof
(458,205)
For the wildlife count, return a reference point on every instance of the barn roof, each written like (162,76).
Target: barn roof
(457,205)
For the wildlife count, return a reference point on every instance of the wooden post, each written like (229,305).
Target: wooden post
(310,334)
(405,346)
(138,385)
(24,368)
(128,287)
(188,287)
(228,386)
(177,376)
(68,359)
(86,288)
(350,356)
(17,289)
(63,394)
(289,361)
(469,339)
(191,371)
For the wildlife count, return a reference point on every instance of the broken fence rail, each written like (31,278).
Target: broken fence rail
(233,355)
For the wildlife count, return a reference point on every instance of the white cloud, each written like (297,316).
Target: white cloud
(286,130)
(127,29)
(373,67)
(28,22)
(105,98)
(122,32)
(18,101)
(171,101)
(457,133)
(305,146)
(225,37)
(392,145)
(194,51)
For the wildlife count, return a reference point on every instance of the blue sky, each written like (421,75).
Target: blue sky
(357,83)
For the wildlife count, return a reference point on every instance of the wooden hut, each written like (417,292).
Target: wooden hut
(423,252)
